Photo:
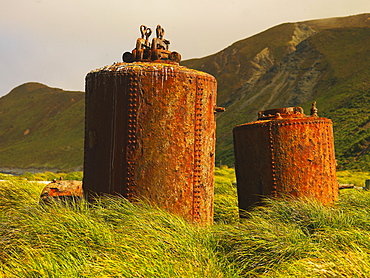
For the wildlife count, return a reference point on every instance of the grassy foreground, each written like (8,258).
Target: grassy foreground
(113,238)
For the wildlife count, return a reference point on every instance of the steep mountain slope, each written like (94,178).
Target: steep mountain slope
(41,127)
(294,64)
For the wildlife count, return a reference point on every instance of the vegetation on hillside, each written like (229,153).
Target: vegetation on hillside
(345,93)
(291,64)
(330,65)
(41,127)
(114,238)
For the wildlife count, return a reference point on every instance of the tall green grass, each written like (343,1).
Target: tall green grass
(109,238)
(226,201)
(114,238)
(302,238)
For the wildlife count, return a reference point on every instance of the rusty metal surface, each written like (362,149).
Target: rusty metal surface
(156,51)
(279,113)
(62,189)
(285,153)
(150,133)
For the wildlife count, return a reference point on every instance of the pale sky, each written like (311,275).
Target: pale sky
(57,42)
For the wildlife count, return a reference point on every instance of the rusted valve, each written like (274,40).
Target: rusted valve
(145,51)
(66,190)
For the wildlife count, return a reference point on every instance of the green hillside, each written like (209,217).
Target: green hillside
(344,92)
(294,64)
(291,64)
(41,127)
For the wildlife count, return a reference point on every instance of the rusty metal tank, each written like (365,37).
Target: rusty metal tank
(150,133)
(285,152)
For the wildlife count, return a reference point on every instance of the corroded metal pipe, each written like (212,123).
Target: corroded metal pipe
(285,153)
(64,190)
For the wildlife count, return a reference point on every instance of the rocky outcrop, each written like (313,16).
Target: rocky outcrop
(260,64)
(293,80)
(300,33)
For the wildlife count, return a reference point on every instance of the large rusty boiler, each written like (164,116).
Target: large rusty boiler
(285,152)
(150,130)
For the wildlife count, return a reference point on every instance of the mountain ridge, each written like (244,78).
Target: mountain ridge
(40,127)
(291,64)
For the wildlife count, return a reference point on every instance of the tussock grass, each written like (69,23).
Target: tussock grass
(114,238)
(226,200)
(109,238)
(302,238)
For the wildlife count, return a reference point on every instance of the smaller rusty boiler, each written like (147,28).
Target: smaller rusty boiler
(285,152)
(150,130)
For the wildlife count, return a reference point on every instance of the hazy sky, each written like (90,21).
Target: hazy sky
(57,42)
